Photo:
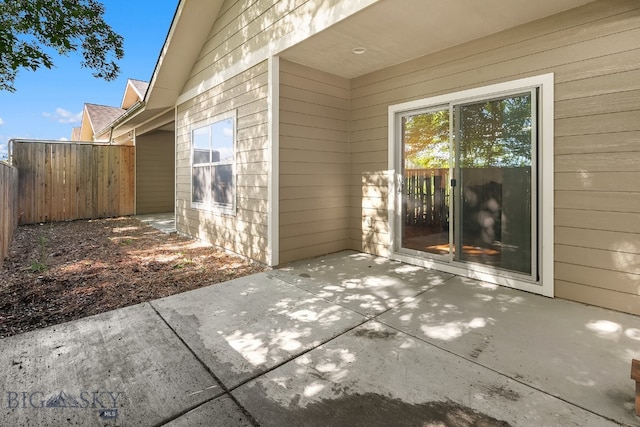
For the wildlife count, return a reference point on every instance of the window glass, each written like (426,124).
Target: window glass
(201,146)
(213,158)
(222,135)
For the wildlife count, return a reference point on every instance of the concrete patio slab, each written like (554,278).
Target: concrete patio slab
(245,327)
(437,350)
(376,375)
(579,353)
(364,283)
(220,412)
(124,367)
(165,222)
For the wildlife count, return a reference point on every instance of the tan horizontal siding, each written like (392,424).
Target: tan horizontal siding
(246,26)
(244,232)
(319,238)
(596,162)
(588,294)
(597,143)
(295,231)
(314,162)
(593,277)
(594,54)
(623,242)
(598,201)
(155,173)
(626,182)
(598,220)
(310,216)
(309,251)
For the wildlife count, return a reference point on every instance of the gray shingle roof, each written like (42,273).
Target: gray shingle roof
(140,86)
(101,116)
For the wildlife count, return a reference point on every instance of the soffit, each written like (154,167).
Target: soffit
(395,31)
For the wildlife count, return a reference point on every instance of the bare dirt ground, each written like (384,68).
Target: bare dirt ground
(65,271)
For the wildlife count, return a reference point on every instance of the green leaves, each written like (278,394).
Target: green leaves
(31,30)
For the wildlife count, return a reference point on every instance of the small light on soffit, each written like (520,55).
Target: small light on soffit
(359,50)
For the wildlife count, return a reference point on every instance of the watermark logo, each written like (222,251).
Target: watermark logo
(106,402)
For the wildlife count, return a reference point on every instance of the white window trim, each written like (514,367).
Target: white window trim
(545,83)
(273,246)
(215,208)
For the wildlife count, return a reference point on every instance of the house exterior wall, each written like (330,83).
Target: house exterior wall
(314,162)
(595,56)
(86,132)
(247,26)
(155,172)
(245,231)
(250,31)
(234,59)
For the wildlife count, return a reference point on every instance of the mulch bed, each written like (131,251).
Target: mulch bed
(64,271)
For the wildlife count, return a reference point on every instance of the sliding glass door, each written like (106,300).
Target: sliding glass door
(425,187)
(468,191)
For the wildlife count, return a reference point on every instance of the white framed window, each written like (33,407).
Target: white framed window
(213,164)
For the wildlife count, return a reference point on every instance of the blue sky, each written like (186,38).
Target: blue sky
(48,103)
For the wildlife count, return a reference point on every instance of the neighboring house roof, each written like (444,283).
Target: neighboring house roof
(140,86)
(100,116)
(133,93)
(75,133)
(98,119)
(187,33)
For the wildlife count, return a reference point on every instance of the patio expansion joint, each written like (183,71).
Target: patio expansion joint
(225,390)
(475,362)
(229,391)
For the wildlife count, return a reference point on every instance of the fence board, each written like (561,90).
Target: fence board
(426,197)
(8,207)
(65,181)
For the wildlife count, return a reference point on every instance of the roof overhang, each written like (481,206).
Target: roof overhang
(188,32)
(393,32)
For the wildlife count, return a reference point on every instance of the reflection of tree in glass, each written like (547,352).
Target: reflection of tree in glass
(496,133)
(426,140)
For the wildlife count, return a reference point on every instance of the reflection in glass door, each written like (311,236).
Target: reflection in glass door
(495,142)
(469,187)
(425,183)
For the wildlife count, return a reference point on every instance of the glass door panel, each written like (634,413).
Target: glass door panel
(425,189)
(494,153)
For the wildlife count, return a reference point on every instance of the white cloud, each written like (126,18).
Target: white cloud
(62,138)
(1,121)
(63,116)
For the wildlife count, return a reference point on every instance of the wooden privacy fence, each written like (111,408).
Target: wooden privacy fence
(8,207)
(65,181)
(426,194)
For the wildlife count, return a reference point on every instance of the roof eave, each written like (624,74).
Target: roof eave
(135,108)
(188,32)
